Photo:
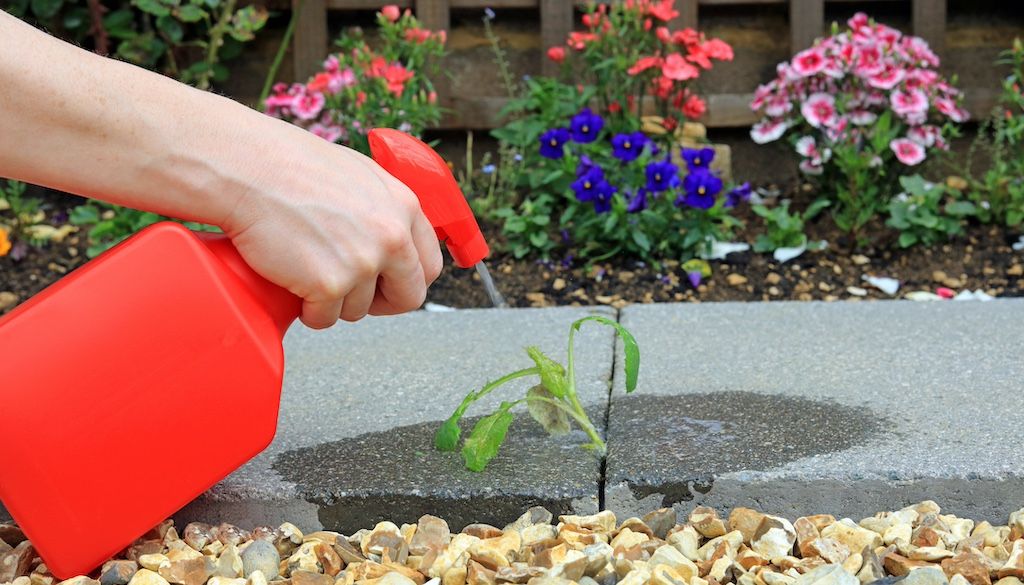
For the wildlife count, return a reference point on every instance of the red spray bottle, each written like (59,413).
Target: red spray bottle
(111,378)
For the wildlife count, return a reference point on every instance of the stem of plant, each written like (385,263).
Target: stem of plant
(576,412)
(286,40)
(506,378)
(216,42)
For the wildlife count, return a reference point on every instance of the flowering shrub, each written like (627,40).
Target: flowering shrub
(610,187)
(362,88)
(859,107)
(999,192)
(628,52)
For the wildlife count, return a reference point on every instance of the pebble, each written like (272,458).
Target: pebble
(926,576)
(7,300)
(147,577)
(558,284)
(262,556)
(774,537)
(736,279)
(860,259)
(117,572)
(857,291)
(827,575)
(706,521)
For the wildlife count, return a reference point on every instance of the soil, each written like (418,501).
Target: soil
(981,259)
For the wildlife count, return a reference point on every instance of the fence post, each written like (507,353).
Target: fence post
(806,21)
(930,22)
(309,45)
(687,15)
(434,14)
(555,25)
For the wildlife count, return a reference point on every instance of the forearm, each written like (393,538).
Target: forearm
(97,127)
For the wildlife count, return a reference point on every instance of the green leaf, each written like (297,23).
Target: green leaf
(154,7)
(554,420)
(629,346)
(642,240)
(538,239)
(447,436)
(46,9)
(170,27)
(486,437)
(907,239)
(961,208)
(119,24)
(552,373)
(815,208)
(190,13)
(84,215)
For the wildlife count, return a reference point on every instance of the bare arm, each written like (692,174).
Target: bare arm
(321,220)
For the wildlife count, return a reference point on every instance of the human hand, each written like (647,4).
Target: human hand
(334,228)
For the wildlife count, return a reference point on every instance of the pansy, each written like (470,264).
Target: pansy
(698,158)
(553,141)
(627,147)
(907,151)
(737,195)
(661,176)
(595,188)
(819,109)
(700,189)
(585,126)
(638,202)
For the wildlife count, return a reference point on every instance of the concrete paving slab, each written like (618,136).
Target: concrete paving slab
(844,408)
(361,404)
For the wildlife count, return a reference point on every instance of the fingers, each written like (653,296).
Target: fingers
(321,314)
(425,239)
(358,301)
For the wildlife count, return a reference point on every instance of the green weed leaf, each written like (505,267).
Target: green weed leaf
(486,438)
(447,437)
(552,373)
(554,420)
(629,346)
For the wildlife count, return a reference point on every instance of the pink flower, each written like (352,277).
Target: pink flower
(888,78)
(909,103)
(307,105)
(556,54)
(718,49)
(579,40)
(331,64)
(697,55)
(907,151)
(663,34)
(862,117)
(923,135)
(645,63)
(819,109)
(806,146)
(396,75)
(949,109)
(328,133)
(809,62)
(921,79)
(768,131)
(676,67)
(390,12)
(858,21)
(663,10)
(778,105)
(808,167)
(694,107)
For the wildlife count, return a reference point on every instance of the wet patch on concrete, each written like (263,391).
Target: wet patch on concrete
(673,447)
(398,475)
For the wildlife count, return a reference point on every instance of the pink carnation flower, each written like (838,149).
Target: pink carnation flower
(808,167)
(307,105)
(768,131)
(909,103)
(809,62)
(862,117)
(819,109)
(675,67)
(778,105)
(907,151)
(949,109)
(923,135)
(329,133)
(889,77)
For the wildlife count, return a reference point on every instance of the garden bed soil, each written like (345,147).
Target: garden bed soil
(981,259)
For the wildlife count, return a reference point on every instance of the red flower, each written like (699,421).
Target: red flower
(670,123)
(614,108)
(418,35)
(648,24)
(663,10)
(644,63)
(694,107)
(556,54)
(319,82)
(578,40)
(396,75)
(718,49)
(663,34)
(360,98)
(391,12)
(663,86)
(687,36)
(377,66)
(432,97)
(591,20)
(696,55)
(675,67)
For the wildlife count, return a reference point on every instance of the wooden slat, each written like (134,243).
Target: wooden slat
(434,14)
(687,15)
(309,45)
(495,4)
(555,24)
(366,4)
(929,17)
(806,22)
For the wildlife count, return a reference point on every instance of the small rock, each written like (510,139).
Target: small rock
(827,575)
(773,278)
(1015,270)
(900,565)
(153,561)
(885,581)
(806,533)
(229,563)
(774,291)
(79,580)
(7,300)
(302,577)
(482,531)
(854,537)
(853,563)
(432,534)
(496,552)
(970,566)
(706,521)
(476,574)
(666,575)
(686,541)
(829,550)
(117,572)
(147,577)
(736,279)
(187,571)
(857,291)
(774,537)
(534,516)
(198,535)
(1014,566)
(230,534)
(11,534)
(558,284)
(860,259)
(385,535)
(931,575)
(669,556)
(16,562)
(627,539)
(661,521)
(604,522)
(304,558)
(746,521)
(537,299)
(262,556)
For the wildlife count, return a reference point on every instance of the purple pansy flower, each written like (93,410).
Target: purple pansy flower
(585,126)
(552,142)
(739,194)
(698,158)
(628,146)
(662,176)
(699,190)
(593,187)
(638,202)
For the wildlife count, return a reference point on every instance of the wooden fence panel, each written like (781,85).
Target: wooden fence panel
(806,21)
(929,18)
(556,17)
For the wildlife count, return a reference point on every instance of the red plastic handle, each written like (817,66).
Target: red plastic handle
(414,163)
